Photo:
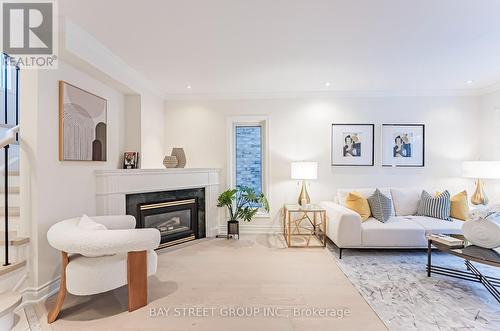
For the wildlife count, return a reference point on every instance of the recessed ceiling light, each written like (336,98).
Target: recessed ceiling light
(327,84)
(188,87)
(469,82)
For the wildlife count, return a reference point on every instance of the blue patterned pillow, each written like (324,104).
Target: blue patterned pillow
(380,205)
(435,206)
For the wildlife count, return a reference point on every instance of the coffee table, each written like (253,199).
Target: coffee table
(469,253)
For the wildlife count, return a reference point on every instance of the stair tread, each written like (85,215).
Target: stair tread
(11,267)
(12,189)
(9,301)
(11,173)
(15,240)
(7,126)
(13,211)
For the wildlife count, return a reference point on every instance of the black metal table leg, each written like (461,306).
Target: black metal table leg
(429,257)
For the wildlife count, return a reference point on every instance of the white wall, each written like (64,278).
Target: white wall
(59,190)
(152,135)
(490,138)
(133,123)
(300,129)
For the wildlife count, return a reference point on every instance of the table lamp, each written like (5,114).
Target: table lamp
(304,171)
(480,170)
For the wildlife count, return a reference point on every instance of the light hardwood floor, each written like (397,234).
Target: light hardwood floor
(256,272)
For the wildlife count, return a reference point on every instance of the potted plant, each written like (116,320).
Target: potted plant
(242,203)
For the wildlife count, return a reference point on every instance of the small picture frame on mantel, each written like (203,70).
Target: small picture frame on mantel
(353,144)
(130,160)
(403,145)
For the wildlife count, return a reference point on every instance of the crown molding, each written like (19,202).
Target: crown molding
(323,94)
(489,89)
(84,51)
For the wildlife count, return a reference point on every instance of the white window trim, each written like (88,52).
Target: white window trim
(232,122)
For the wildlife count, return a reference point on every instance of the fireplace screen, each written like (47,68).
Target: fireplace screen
(176,220)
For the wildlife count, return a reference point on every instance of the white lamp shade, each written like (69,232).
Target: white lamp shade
(481,169)
(304,170)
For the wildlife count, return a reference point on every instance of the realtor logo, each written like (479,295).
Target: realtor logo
(28,32)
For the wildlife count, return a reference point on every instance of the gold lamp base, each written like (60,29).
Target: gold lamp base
(479,197)
(304,196)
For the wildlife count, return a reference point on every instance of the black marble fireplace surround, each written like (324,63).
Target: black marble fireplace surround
(178,214)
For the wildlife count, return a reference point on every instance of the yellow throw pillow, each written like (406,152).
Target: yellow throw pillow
(460,206)
(359,204)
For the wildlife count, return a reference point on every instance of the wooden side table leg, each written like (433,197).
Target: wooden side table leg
(52,316)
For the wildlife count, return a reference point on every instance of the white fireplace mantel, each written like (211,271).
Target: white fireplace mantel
(112,187)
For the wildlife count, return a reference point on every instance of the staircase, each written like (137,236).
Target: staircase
(17,243)
(13,246)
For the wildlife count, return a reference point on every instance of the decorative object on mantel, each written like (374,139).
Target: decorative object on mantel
(130,160)
(304,171)
(242,203)
(480,170)
(170,161)
(82,124)
(181,156)
(483,227)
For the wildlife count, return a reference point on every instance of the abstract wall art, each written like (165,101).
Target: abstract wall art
(82,124)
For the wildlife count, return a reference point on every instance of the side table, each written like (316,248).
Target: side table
(304,226)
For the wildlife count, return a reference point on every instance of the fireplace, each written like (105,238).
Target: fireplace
(176,220)
(178,215)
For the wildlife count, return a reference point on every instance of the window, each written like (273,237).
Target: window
(248,153)
(249,156)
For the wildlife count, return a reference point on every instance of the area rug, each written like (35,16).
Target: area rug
(395,284)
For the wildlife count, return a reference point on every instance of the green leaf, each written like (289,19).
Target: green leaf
(241,202)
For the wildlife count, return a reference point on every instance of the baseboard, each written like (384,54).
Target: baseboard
(37,294)
(254,228)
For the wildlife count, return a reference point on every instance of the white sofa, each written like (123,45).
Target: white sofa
(402,230)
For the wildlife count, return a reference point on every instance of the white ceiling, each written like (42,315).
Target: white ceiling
(224,47)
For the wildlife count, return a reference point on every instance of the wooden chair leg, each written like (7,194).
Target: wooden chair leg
(52,316)
(137,276)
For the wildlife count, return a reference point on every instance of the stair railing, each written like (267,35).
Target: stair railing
(11,136)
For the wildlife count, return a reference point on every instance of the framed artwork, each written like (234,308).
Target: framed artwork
(353,144)
(403,145)
(82,124)
(130,160)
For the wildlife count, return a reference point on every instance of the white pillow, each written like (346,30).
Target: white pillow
(406,200)
(86,223)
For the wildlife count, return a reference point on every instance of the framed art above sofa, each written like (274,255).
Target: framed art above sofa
(353,144)
(403,145)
